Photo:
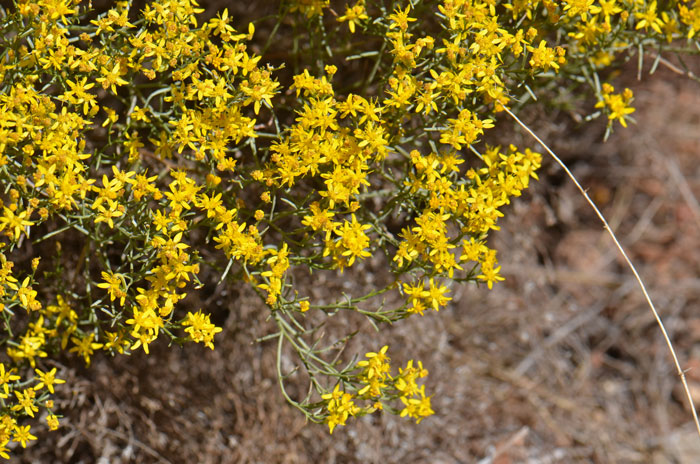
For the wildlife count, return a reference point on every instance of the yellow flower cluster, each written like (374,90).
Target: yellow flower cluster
(340,406)
(163,150)
(200,328)
(377,388)
(20,401)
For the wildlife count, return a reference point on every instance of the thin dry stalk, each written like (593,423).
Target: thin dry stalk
(675,68)
(650,303)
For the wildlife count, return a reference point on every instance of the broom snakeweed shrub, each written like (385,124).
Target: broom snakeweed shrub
(171,150)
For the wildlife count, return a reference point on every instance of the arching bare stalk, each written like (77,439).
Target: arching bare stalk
(660,323)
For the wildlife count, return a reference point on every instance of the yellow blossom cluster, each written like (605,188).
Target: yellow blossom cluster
(200,328)
(377,388)
(21,401)
(160,149)
(617,105)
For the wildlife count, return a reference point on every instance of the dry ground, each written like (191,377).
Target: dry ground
(562,363)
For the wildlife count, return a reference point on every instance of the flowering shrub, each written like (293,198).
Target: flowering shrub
(168,150)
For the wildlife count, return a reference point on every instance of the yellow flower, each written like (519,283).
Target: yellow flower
(400,19)
(6,377)
(27,295)
(544,57)
(436,295)
(111,78)
(353,15)
(15,223)
(52,422)
(219,24)
(114,282)
(25,400)
(648,18)
(21,435)
(85,347)
(48,379)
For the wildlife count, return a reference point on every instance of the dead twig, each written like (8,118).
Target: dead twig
(673,68)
